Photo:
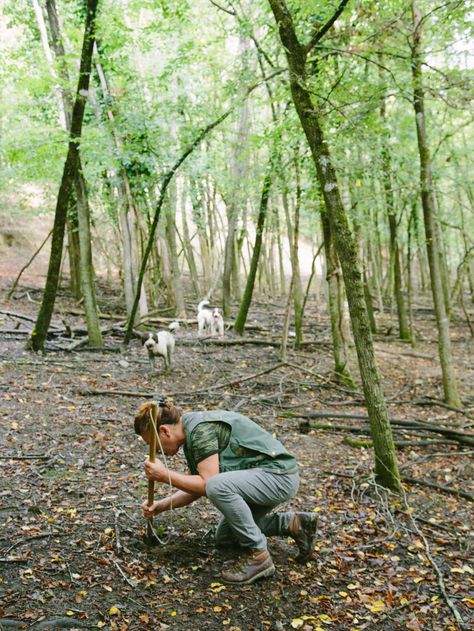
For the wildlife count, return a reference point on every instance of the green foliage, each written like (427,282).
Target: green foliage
(174,66)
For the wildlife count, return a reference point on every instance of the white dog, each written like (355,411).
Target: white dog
(217,322)
(204,318)
(161,343)
(209,319)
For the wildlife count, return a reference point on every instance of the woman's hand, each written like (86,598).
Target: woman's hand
(156,471)
(154,509)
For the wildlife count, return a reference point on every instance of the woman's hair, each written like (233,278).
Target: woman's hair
(166,414)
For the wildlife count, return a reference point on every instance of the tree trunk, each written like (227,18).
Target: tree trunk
(238,169)
(385,459)
(177,291)
(335,304)
(188,247)
(281,266)
(87,274)
(293,234)
(64,103)
(74,255)
(262,213)
(429,211)
(40,331)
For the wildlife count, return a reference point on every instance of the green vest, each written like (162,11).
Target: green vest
(249,445)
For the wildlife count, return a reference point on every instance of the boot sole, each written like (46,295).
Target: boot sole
(269,571)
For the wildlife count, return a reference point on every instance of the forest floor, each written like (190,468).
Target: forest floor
(71,547)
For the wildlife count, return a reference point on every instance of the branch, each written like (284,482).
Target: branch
(323,30)
(229,11)
(13,287)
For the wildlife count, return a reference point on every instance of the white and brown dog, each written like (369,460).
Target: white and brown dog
(210,320)
(217,322)
(159,344)
(204,318)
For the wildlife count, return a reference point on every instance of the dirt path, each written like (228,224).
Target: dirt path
(71,552)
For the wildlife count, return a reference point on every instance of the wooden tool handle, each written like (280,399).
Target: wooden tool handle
(152,453)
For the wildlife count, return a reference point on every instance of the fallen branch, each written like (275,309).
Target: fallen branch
(465,438)
(438,487)
(21,316)
(442,404)
(32,457)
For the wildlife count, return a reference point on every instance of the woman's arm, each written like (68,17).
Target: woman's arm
(191,484)
(177,500)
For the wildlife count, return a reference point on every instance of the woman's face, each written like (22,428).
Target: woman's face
(168,439)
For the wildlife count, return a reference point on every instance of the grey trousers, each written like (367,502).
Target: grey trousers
(245,499)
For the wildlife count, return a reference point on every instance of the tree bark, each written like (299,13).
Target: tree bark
(65,104)
(86,267)
(241,319)
(335,304)
(40,331)
(429,214)
(385,459)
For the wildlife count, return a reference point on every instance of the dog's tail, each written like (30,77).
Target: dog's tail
(202,304)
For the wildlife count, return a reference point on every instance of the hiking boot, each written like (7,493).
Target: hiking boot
(251,566)
(303,530)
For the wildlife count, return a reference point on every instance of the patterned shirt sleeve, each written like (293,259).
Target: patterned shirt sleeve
(208,439)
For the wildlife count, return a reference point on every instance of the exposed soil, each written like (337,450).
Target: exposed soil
(71,548)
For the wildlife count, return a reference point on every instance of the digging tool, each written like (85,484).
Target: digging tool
(149,536)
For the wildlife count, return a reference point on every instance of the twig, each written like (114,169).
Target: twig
(118,544)
(129,581)
(15,283)
(321,377)
(39,536)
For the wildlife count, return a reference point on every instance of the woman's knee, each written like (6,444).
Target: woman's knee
(214,487)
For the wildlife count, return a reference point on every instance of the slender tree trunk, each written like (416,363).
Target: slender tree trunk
(293,236)
(429,214)
(237,201)
(403,326)
(74,255)
(281,266)
(177,290)
(188,247)
(238,170)
(385,459)
(40,331)
(201,202)
(298,288)
(335,304)
(262,213)
(65,104)
(87,276)
(410,280)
